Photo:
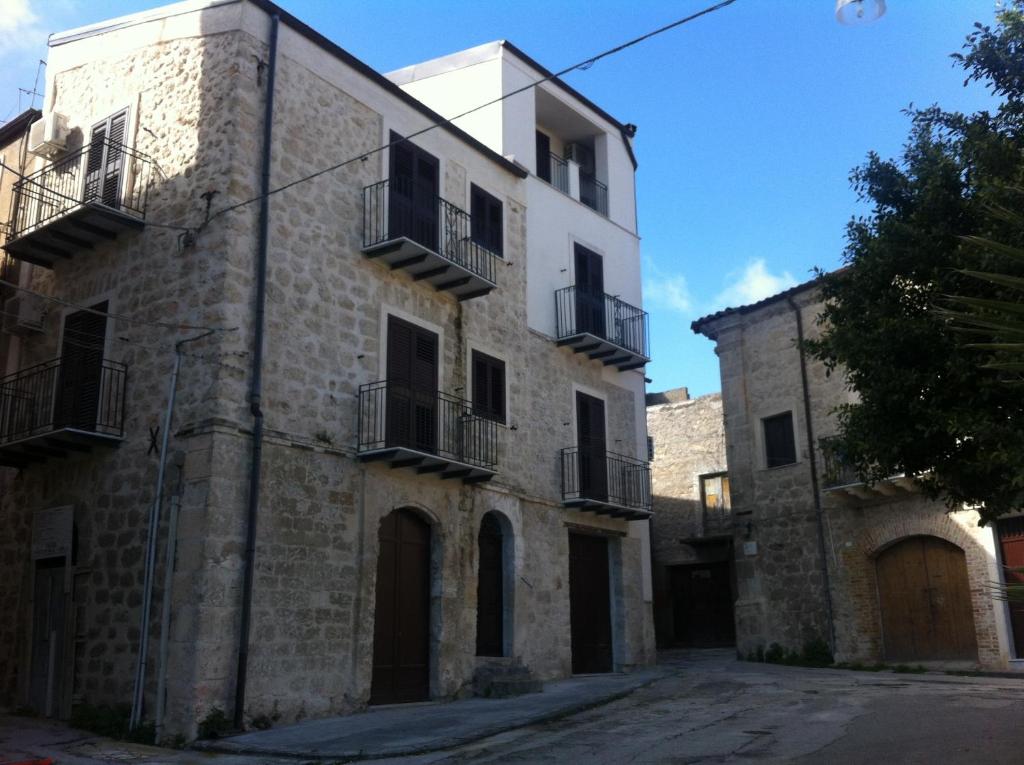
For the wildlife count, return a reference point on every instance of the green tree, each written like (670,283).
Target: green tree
(929,405)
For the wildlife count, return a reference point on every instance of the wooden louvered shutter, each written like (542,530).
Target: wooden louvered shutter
(543,157)
(590,434)
(424,382)
(81,369)
(486,217)
(488,386)
(105,162)
(399,396)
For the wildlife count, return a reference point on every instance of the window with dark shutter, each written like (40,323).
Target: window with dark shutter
(485,213)
(488,386)
(779,446)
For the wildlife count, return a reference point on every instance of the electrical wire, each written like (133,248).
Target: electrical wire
(582,65)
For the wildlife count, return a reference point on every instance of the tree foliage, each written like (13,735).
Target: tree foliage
(929,405)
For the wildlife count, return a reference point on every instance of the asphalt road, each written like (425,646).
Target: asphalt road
(708,708)
(714,709)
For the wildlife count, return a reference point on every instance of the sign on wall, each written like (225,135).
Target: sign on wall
(52,532)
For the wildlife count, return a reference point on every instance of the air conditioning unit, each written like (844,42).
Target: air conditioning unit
(48,136)
(24,314)
(582,155)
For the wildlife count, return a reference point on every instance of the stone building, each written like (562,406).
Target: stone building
(392,463)
(878,570)
(691,532)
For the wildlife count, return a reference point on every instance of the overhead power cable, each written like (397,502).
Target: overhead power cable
(582,65)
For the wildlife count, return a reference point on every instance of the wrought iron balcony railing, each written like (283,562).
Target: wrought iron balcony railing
(606,482)
(559,172)
(835,470)
(593,193)
(100,173)
(840,478)
(432,431)
(63,395)
(410,227)
(603,326)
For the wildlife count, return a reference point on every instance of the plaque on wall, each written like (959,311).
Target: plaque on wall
(51,532)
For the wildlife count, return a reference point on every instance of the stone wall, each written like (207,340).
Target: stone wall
(781,563)
(689,441)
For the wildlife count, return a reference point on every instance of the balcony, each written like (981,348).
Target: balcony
(571,179)
(839,479)
(593,193)
(89,196)
(603,327)
(59,407)
(428,431)
(430,238)
(606,483)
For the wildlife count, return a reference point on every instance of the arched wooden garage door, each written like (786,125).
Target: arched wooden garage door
(401,631)
(925,601)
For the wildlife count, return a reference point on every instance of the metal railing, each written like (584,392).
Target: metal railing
(593,193)
(395,415)
(604,316)
(559,171)
(396,208)
(590,472)
(835,469)
(83,395)
(102,172)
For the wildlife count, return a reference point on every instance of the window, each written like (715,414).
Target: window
(714,491)
(489,387)
(485,212)
(779,446)
(650,448)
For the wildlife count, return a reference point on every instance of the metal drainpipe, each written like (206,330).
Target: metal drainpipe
(812,458)
(256,387)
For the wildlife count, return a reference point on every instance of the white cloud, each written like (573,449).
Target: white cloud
(20,27)
(663,290)
(753,283)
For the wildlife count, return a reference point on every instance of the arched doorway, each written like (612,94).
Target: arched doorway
(401,631)
(925,601)
(491,595)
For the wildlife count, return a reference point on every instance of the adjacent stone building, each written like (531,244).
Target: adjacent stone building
(692,529)
(877,570)
(408,440)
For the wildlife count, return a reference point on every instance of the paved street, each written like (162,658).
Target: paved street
(709,708)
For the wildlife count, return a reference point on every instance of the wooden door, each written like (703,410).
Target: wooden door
(104,170)
(590,617)
(412,386)
(925,601)
(590,438)
(401,631)
(543,157)
(413,210)
(1011,543)
(590,313)
(46,672)
(490,620)
(702,609)
(80,376)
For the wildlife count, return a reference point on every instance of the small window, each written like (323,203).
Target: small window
(488,387)
(485,212)
(714,492)
(779,445)
(650,448)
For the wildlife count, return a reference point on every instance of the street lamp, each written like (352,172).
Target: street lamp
(859,12)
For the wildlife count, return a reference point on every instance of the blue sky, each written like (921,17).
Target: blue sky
(750,119)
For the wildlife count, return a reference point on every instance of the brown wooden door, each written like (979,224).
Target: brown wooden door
(412,386)
(925,601)
(80,378)
(702,605)
(591,439)
(590,618)
(413,210)
(1011,543)
(46,672)
(490,620)
(590,315)
(401,632)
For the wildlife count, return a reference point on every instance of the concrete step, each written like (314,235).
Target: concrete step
(499,681)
